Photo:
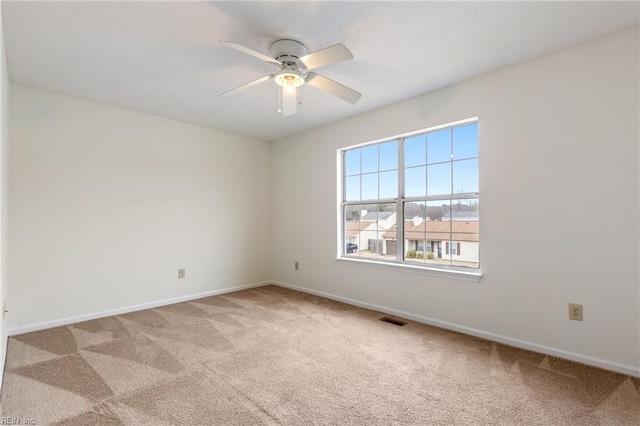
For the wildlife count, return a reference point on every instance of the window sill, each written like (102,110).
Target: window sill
(400,267)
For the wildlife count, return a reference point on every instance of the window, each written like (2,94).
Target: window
(455,249)
(414,199)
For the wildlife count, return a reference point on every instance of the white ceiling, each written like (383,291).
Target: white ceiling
(164,59)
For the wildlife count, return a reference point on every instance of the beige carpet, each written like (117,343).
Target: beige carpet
(278,357)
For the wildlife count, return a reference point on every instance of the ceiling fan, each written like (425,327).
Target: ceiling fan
(295,70)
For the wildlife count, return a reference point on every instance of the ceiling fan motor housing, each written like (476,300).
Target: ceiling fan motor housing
(286,51)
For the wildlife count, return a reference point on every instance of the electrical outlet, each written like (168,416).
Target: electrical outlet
(296,265)
(182,273)
(575,312)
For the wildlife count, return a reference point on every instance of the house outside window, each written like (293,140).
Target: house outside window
(414,199)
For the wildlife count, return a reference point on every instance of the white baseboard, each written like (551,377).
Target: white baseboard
(596,362)
(118,311)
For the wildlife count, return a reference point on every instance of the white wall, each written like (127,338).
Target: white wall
(107,203)
(4,179)
(558,179)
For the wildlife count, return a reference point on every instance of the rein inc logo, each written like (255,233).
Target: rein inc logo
(17,421)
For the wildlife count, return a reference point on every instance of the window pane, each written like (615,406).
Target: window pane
(439,179)
(370,159)
(389,156)
(415,151)
(414,231)
(352,162)
(439,228)
(389,184)
(377,232)
(436,256)
(370,186)
(416,253)
(438,232)
(353,188)
(352,213)
(465,227)
(352,229)
(464,210)
(415,241)
(414,227)
(413,236)
(415,182)
(437,209)
(439,146)
(465,247)
(465,176)
(412,210)
(465,141)
(385,246)
(382,214)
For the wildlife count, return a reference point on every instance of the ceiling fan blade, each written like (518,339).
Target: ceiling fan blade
(247,85)
(251,52)
(289,97)
(333,87)
(328,55)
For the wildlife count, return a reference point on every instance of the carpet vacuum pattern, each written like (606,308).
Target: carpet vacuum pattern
(274,356)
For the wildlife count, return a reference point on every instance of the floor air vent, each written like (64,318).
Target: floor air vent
(393,321)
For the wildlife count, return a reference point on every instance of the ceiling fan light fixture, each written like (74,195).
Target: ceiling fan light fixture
(288,100)
(289,78)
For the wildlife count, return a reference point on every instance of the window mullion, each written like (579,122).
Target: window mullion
(344,204)
(400,204)
(372,201)
(452,192)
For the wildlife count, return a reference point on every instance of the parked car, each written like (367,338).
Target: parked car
(352,248)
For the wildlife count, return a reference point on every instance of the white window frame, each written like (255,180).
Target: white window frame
(399,262)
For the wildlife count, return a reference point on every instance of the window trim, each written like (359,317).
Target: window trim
(473,275)
(399,263)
